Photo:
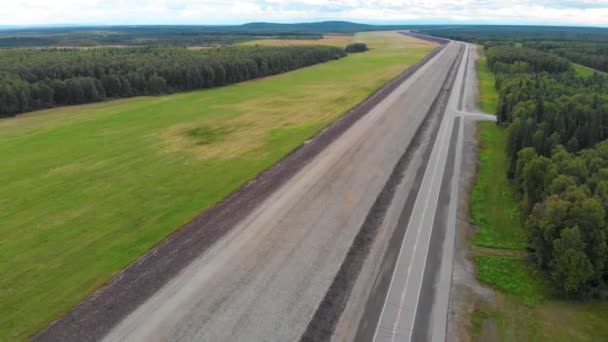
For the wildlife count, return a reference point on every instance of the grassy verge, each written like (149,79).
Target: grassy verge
(511,276)
(524,308)
(87,189)
(500,262)
(488,97)
(507,319)
(494,206)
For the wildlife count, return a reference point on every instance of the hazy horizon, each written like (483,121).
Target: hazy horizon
(213,12)
(84,25)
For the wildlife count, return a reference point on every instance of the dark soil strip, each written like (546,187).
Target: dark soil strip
(96,315)
(422,322)
(323,323)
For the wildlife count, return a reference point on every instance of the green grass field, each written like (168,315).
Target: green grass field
(584,71)
(509,275)
(335,40)
(488,98)
(525,308)
(87,189)
(581,70)
(509,319)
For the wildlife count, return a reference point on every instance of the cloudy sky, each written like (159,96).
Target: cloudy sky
(547,12)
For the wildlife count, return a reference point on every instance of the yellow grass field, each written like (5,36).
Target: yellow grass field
(335,40)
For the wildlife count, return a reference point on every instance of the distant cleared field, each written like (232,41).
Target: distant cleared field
(87,189)
(585,71)
(336,40)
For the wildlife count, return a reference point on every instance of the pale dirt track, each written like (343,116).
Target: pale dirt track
(265,279)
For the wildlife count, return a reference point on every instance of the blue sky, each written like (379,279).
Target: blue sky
(544,12)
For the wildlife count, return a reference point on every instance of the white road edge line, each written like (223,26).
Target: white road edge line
(401,250)
(440,317)
(449,133)
(424,210)
(390,285)
(392,279)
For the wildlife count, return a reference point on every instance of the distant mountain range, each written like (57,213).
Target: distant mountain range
(322,26)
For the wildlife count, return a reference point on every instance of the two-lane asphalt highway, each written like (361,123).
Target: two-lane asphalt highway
(416,305)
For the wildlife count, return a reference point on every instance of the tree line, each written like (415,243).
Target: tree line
(591,54)
(144,36)
(32,79)
(356,47)
(557,146)
(501,59)
(587,46)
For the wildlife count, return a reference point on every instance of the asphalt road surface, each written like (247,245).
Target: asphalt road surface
(416,305)
(265,279)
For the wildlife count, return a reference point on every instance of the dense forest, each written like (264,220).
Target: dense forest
(558,150)
(506,59)
(557,146)
(175,35)
(32,79)
(583,45)
(591,54)
(141,36)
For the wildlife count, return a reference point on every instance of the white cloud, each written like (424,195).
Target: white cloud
(40,12)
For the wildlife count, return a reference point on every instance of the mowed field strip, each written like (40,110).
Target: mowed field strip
(87,189)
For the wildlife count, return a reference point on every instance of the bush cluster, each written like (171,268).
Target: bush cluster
(356,47)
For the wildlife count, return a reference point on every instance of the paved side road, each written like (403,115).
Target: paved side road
(265,279)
